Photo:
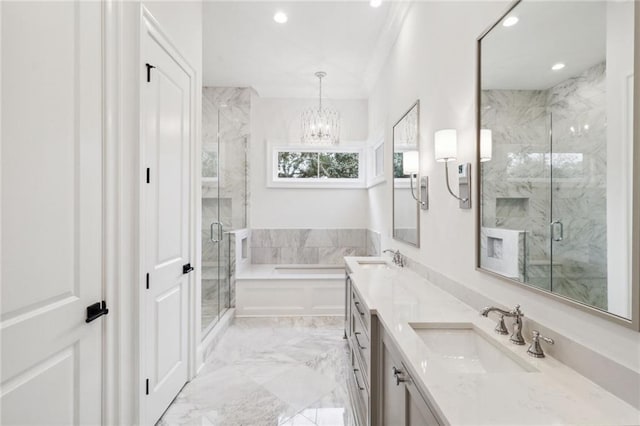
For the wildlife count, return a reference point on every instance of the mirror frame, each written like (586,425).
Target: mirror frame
(393,188)
(634,321)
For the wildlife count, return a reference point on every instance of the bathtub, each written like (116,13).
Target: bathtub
(290,290)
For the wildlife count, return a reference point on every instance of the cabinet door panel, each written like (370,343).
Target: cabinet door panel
(418,411)
(393,393)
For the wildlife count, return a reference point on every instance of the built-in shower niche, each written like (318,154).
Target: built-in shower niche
(512,207)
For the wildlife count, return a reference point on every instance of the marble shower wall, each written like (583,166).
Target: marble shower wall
(225,133)
(529,174)
(311,246)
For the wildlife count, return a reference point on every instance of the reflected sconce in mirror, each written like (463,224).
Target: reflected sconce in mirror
(411,166)
(446,149)
(486,143)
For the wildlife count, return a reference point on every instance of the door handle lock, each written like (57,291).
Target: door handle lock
(96,310)
(187,268)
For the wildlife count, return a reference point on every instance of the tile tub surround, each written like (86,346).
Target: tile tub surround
(283,290)
(275,371)
(311,246)
(555,394)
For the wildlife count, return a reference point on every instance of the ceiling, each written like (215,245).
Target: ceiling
(349,40)
(520,57)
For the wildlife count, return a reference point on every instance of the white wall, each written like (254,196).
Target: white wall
(434,60)
(182,22)
(278,120)
(620,35)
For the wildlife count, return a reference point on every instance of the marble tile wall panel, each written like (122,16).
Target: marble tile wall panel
(373,243)
(518,190)
(308,246)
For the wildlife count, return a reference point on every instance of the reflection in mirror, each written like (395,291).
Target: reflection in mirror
(406,166)
(555,148)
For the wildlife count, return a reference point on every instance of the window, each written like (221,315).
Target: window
(317,167)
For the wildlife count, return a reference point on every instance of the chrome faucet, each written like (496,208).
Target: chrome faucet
(516,337)
(535,350)
(397,257)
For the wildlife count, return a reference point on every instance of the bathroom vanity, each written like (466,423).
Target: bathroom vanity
(419,356)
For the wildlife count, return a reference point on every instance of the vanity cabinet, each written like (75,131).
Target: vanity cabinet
(381,388)
(361,331)
(401,402)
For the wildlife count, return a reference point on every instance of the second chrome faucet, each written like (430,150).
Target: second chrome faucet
(397,257)
(516,335)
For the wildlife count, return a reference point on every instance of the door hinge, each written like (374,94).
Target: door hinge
(147,281)
(148,175)
(149,67)
(147,387)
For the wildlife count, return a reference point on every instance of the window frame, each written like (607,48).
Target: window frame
(274,181)
(376,177)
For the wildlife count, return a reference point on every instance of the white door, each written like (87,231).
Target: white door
(166,137)
(51,191)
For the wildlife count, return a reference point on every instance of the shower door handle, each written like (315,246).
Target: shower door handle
(554,225)
(218,238)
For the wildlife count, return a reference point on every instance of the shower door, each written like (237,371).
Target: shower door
(578,227)
(215,221)
(224,188)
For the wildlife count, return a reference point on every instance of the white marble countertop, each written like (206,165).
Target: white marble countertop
(552,394)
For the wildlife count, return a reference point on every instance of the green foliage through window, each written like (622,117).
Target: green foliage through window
(398,170)
(318,165)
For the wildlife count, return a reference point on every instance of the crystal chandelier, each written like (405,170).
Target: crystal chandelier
(320,126)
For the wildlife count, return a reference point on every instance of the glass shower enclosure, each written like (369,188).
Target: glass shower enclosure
(225,125)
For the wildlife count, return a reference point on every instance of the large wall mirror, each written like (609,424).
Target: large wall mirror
(406,162)
(555,148)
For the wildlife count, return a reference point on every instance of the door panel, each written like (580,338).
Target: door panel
(393,394)
(168,307)
(166,124)
(51,212)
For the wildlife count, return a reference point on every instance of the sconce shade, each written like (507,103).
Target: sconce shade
(446,145)
(486,142)
(410,162)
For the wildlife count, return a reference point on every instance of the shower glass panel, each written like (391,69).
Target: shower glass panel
(579,187)
(224,202)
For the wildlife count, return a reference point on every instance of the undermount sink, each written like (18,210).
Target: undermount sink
(373,265)
(461,348)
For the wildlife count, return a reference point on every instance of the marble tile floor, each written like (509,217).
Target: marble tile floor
(270,372)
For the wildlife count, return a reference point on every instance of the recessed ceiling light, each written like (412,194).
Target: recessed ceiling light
(510,21)
(375,3)
(558,66)
(280,17)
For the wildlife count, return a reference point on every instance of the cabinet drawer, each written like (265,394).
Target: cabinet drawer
(361,310)
(359,389)
(361,342)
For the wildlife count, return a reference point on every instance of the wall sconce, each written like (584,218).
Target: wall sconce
(411,166)
(486,145)
(446,149)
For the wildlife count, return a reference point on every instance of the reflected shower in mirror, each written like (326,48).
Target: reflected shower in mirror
(406,169)
(554,150)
